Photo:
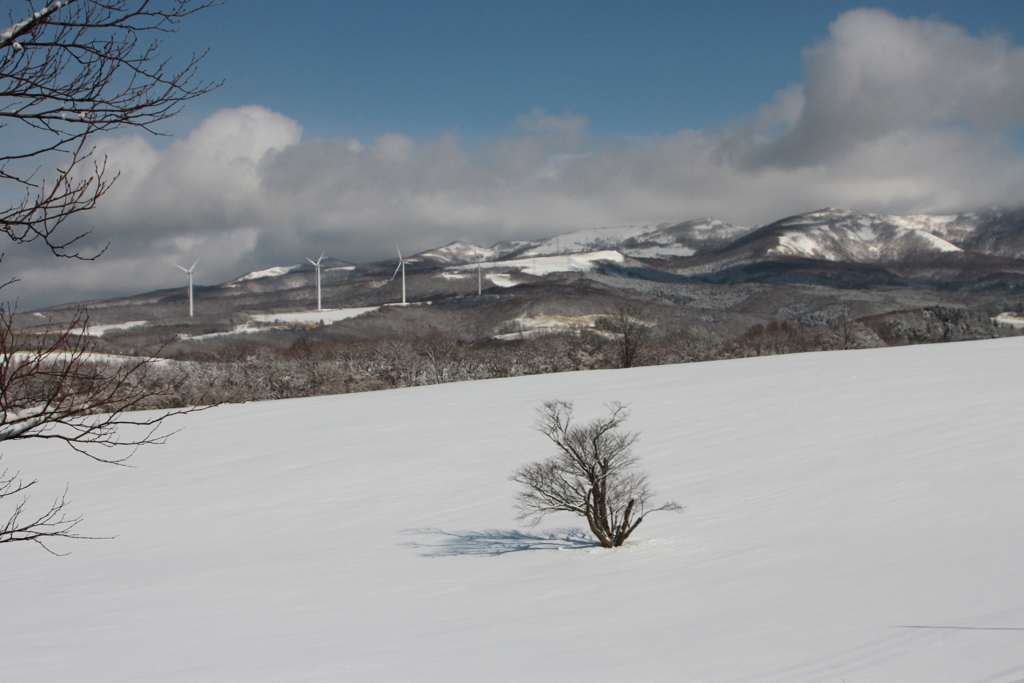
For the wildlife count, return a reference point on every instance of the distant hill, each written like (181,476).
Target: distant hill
(806,268)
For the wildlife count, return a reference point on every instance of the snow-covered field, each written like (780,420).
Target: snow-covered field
(547,324)
(1010,319)
(100,330)
(545,265)
(301,318)
(851,516)
(326,316)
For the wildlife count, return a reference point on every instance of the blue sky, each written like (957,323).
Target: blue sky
(470,67)
(351,126)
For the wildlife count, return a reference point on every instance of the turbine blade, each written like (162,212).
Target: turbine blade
(182,267)
(396,270)
(193,266)
(399,252)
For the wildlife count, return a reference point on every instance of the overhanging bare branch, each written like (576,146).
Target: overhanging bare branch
(72,70)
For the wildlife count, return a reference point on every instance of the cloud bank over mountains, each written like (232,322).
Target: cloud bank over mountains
(894,115)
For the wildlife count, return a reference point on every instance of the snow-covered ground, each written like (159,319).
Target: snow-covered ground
(100,330)
(545,265)
(267,272)
(546,324)
(301,318)
(502,280)
(591,239)
(1010,319)
(325,316)
(92,357)
(850,516)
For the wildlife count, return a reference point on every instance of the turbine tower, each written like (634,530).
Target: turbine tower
(479,275)
(316,264)
(189,272)
(401,265)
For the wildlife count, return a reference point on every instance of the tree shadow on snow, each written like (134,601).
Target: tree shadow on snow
(493,542)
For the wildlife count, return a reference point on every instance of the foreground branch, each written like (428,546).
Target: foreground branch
(72,70)
(52,387)
(40,527)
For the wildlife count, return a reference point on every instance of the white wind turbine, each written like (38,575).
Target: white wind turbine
(479,275)
(189,272)
(316,264)
(401,265)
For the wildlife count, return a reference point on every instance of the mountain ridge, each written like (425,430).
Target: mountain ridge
(834,252)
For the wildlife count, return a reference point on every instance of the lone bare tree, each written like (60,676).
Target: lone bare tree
(632,335)
(69,71)
(594,475)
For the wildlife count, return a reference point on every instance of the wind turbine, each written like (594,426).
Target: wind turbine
(316,264)
(479,275)
(189,272)
(401,264)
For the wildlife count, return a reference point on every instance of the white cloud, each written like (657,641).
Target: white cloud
(877,74)
(894,115)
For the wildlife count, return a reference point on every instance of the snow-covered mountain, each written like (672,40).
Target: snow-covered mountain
(971,251)
(458,253)
(834,235)
(279,271)
(827,235)
(850,515)
(993,232)
(275,271)
(855,250)
(663,241)
(653,242)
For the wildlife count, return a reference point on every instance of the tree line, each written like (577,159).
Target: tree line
(311,366)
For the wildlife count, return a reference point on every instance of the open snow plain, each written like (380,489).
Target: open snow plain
(850,516)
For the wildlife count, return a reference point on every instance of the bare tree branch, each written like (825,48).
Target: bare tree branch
(71,70)
(39,527)
(67,72)
(52,387)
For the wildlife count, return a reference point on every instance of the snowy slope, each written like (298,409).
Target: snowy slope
(325,316)
(100,330)
(644,241)
(276,271)
(638,241)
(850,516)
(546,265)
(458,252)
(835,235)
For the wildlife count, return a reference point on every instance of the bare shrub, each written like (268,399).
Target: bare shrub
(594,475)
